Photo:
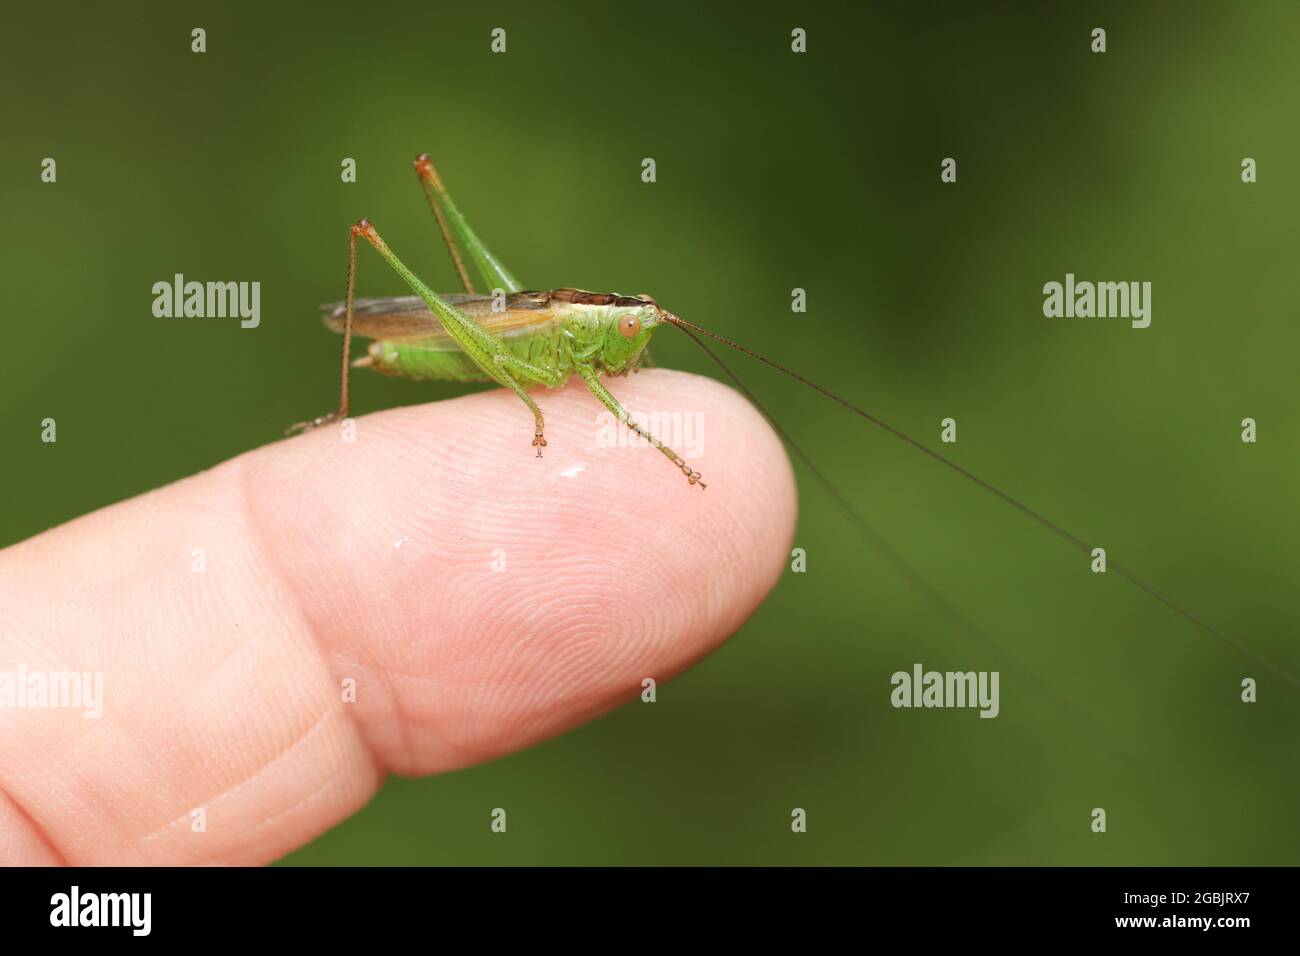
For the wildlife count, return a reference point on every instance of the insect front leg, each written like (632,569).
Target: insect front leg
(592,378)
(513,368)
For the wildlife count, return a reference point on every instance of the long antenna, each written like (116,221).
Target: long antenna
(917,581)
(1037,516)
(944,607)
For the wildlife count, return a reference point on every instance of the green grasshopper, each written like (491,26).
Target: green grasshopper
(515,338)
(519,338)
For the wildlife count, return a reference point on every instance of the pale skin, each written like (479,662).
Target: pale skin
(223,689)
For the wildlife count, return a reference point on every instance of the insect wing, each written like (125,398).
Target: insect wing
(407,318)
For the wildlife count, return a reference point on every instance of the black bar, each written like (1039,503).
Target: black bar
(215,906)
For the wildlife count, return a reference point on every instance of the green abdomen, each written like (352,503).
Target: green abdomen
(412,361)
(434,360)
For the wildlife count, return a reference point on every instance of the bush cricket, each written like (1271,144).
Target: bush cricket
(518,338)
(513,337)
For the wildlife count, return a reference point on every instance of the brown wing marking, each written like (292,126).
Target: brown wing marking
(396,318)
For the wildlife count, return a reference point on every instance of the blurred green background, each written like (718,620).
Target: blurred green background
(775,170)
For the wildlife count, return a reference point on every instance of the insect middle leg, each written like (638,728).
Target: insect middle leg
(592,378)
(512,368)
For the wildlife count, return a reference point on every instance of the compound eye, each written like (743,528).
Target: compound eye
(629,326)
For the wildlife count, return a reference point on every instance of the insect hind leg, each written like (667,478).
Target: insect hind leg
(456,232)
(344,398)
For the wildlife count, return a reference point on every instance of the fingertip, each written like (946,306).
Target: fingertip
(494,598)
(412,591)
